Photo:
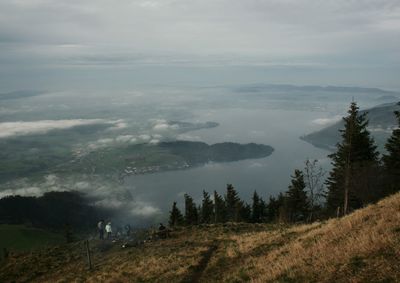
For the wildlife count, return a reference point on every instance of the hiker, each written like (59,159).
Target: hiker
(100,228)
(128,230)
(119,233)
(108,230)
(162,231)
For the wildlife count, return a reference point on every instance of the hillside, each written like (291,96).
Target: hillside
(362,247)
(381,121)
(19,237)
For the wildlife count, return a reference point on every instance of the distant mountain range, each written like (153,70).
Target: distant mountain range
(381,122)
(19,94)
(312,88)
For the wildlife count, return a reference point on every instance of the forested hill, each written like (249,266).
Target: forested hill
(198,152)
(361,247)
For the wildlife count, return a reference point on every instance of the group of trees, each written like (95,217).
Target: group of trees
(298,203)
(358,177)
(220,209)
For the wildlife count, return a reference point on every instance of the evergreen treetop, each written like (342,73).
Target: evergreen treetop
(207,209)
(175,216)
(232,202)
(297,206)
(391,160)
(354,153)
(257,208)
(191,213)
(219,208)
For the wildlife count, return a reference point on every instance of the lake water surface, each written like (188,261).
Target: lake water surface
(280,128)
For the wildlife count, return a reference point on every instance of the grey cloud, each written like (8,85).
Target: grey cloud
(304,33)
(19,128)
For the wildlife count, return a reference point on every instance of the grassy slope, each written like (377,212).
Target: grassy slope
(20,238)
(362,247)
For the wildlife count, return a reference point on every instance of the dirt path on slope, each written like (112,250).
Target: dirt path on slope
(195,273)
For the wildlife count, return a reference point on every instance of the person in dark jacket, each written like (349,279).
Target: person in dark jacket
(162,231)
(100,228)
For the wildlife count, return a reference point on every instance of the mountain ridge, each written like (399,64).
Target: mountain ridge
(330,88)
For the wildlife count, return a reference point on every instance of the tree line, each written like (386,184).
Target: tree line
(360,175)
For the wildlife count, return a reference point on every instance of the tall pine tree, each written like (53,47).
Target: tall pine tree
(207,209)
(273,208)
(353,162)
(244,212)
(256,209)
(391,159)
(219,209)
(263,211)
(296,202)
(233,204)
(175,216)
(191,213)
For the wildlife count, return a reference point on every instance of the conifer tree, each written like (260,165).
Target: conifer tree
(257,209)
(296,202)
(244,212)
(207,209)
(263,210)
(353,161)
(232,202)
(219,209)
(175,216)
(391,160)
(273,208)
(191,213)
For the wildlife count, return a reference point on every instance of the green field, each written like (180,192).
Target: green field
(22,238)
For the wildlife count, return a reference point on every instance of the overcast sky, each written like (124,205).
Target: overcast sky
(333,41)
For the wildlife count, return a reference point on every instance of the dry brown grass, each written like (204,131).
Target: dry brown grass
(362,247)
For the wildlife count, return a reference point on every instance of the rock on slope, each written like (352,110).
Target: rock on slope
(362,247)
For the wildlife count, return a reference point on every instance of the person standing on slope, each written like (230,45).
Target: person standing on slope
(108,230)
(100,228)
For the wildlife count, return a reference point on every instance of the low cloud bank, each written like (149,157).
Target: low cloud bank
(379,129)
(326,121)
(161,125)
(124,139)
(19,128)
